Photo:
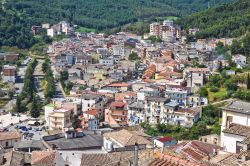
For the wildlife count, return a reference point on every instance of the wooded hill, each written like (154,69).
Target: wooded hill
(230,20)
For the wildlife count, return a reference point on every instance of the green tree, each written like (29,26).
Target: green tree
(76,122)
(248,81)
(64,75)
(203,92)
(246,44)
(236,47)
(220,67)
(155,39)
(133,56)
(35,112)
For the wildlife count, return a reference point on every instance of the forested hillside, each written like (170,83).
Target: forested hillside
(102,14)
(17,16)
(15,30)
(230,20)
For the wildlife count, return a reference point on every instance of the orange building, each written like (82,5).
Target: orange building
(116,115)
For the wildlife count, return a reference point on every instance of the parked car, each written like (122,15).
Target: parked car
(24,128)
(30,134)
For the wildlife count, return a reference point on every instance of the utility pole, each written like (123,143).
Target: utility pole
(136,154)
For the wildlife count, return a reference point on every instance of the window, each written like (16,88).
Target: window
(88,105)
(229,120)
(6,144)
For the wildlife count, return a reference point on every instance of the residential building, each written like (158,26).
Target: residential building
(120,87)
(60,119)
(168,33)
(178,93)
(9,73)
(235,128)
(9,138)
(29,146)
(51,32)
(11,57)
(90,119)
(174,115)
(240,60)
(136,112)
(46,158)
(118,50)
(195,150)
(46,26)
(211,139)
(71,145)
(164,142)
(168,23)
(153,107)
(74,74)
(107,61)
(90,100)
(155,29)
(113,141)
(117,114)
(196,101)
(196,77)
(36,29)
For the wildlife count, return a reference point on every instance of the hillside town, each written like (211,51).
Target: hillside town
(125,99)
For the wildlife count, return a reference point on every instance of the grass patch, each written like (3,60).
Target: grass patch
(215,96)
(13,49)
(84,29)
(174,18)
(3,103)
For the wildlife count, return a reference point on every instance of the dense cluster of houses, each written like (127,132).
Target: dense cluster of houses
(107,146)
(113,94)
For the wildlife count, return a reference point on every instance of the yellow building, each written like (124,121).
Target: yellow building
(60,119)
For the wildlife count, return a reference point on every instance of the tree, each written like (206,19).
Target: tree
(76,122)
(246,44)
(236,47)
(203,92)
(64,75)
(35,112)
(45,65)
(220,68)
(19,106)
(133,56)
(155,39)
(248,81)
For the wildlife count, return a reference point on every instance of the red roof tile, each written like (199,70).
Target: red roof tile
(119,85)
(165,139)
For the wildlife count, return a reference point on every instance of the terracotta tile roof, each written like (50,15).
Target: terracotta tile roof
(229,159)
(118,104)
(9,135)
(165,139)
(43,158)
(112,159)
(238,129)
(92,111)
(195,150)
(188,111)
(199,70)
(126,138)
(19,158)
(118,85)
(170,160)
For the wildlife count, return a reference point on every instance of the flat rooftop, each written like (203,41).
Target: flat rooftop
(86,142)
(62,110)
